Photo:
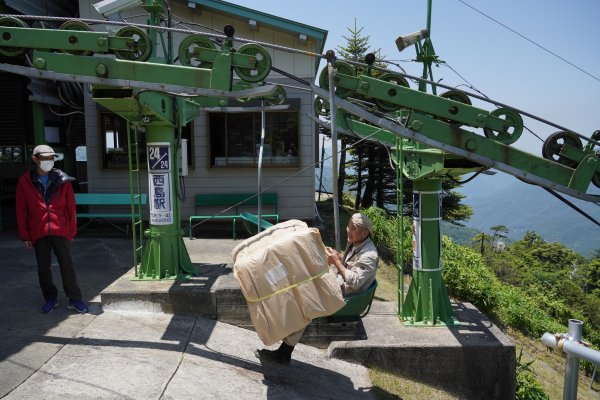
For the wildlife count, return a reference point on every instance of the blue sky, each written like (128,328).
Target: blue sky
(493,59)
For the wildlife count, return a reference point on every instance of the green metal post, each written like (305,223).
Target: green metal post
(427,302)
(399,224)
(165,255)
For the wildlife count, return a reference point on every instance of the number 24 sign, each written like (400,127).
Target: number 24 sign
(158,157)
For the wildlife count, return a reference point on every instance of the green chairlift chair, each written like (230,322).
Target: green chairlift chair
(357,306)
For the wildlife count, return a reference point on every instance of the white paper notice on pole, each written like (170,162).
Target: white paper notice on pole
(159,182)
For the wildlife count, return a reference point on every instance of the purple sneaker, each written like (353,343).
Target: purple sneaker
(49,306)
(78,306)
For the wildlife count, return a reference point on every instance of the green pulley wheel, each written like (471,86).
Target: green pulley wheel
(321,106)
(139,49)
(554,144)
(459,97)
(278,98)
(512,129)
(341,67)
(76,26)
(188,51)
(396,79)
(261,68)
(9,50)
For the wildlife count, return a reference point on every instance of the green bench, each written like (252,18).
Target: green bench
(111,200)
(251,222)
(237,201)
(357,306)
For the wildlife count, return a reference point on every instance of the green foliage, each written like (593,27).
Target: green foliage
(452,209)
(532,286)
(555,279)
(527,387)
(386,233)
(481,241)
(467,277)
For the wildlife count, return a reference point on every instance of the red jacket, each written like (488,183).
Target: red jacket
(46,212)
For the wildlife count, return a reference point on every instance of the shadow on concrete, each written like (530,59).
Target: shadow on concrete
(297,380)
(97,263)
(24,329)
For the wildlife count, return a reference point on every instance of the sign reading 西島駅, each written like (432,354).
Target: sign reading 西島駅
(159,183)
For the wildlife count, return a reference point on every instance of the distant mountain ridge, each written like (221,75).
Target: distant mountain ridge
(504,200)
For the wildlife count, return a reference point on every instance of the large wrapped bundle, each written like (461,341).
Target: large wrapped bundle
(285,279)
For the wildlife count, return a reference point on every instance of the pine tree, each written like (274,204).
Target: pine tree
(370,161)
(374,176)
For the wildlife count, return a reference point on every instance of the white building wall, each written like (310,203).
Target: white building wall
(296,194)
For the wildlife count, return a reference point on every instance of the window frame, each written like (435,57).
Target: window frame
(142,141)
(252,162)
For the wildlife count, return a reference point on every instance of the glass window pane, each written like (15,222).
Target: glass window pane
(241,144)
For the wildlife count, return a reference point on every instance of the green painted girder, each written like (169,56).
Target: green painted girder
(96,42)
(59,39)
(479,149)
(419,161)
(416,100)
(103,67)
(512,157)
(145,107)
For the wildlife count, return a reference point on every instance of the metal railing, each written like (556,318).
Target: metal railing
(570,343)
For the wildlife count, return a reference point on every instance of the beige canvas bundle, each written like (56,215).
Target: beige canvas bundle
(284,276)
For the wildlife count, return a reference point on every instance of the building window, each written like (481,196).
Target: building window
(115,145)
(235,139)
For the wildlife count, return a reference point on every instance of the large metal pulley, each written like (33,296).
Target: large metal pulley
(261,63)
(554,144)
(11,51)
(321,106)
(191,47)
(139,49)
(459,97)
(512,127)
(79,26)
(278,97)
(396,79)
(341,67)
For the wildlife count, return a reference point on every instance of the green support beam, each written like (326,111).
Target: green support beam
(427,302)
(164,255)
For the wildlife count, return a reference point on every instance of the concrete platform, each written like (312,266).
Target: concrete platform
(169,340)
(472,360)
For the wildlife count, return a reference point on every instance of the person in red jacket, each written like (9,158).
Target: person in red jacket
(46,217)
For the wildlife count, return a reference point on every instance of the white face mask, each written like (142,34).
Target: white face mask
(46,165)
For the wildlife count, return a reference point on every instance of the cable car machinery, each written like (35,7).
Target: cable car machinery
(423,131)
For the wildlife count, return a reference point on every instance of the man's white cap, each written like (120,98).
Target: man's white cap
(43,150)
(361,221)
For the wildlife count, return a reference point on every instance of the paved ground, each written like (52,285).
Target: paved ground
(112,355)
(115,354)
